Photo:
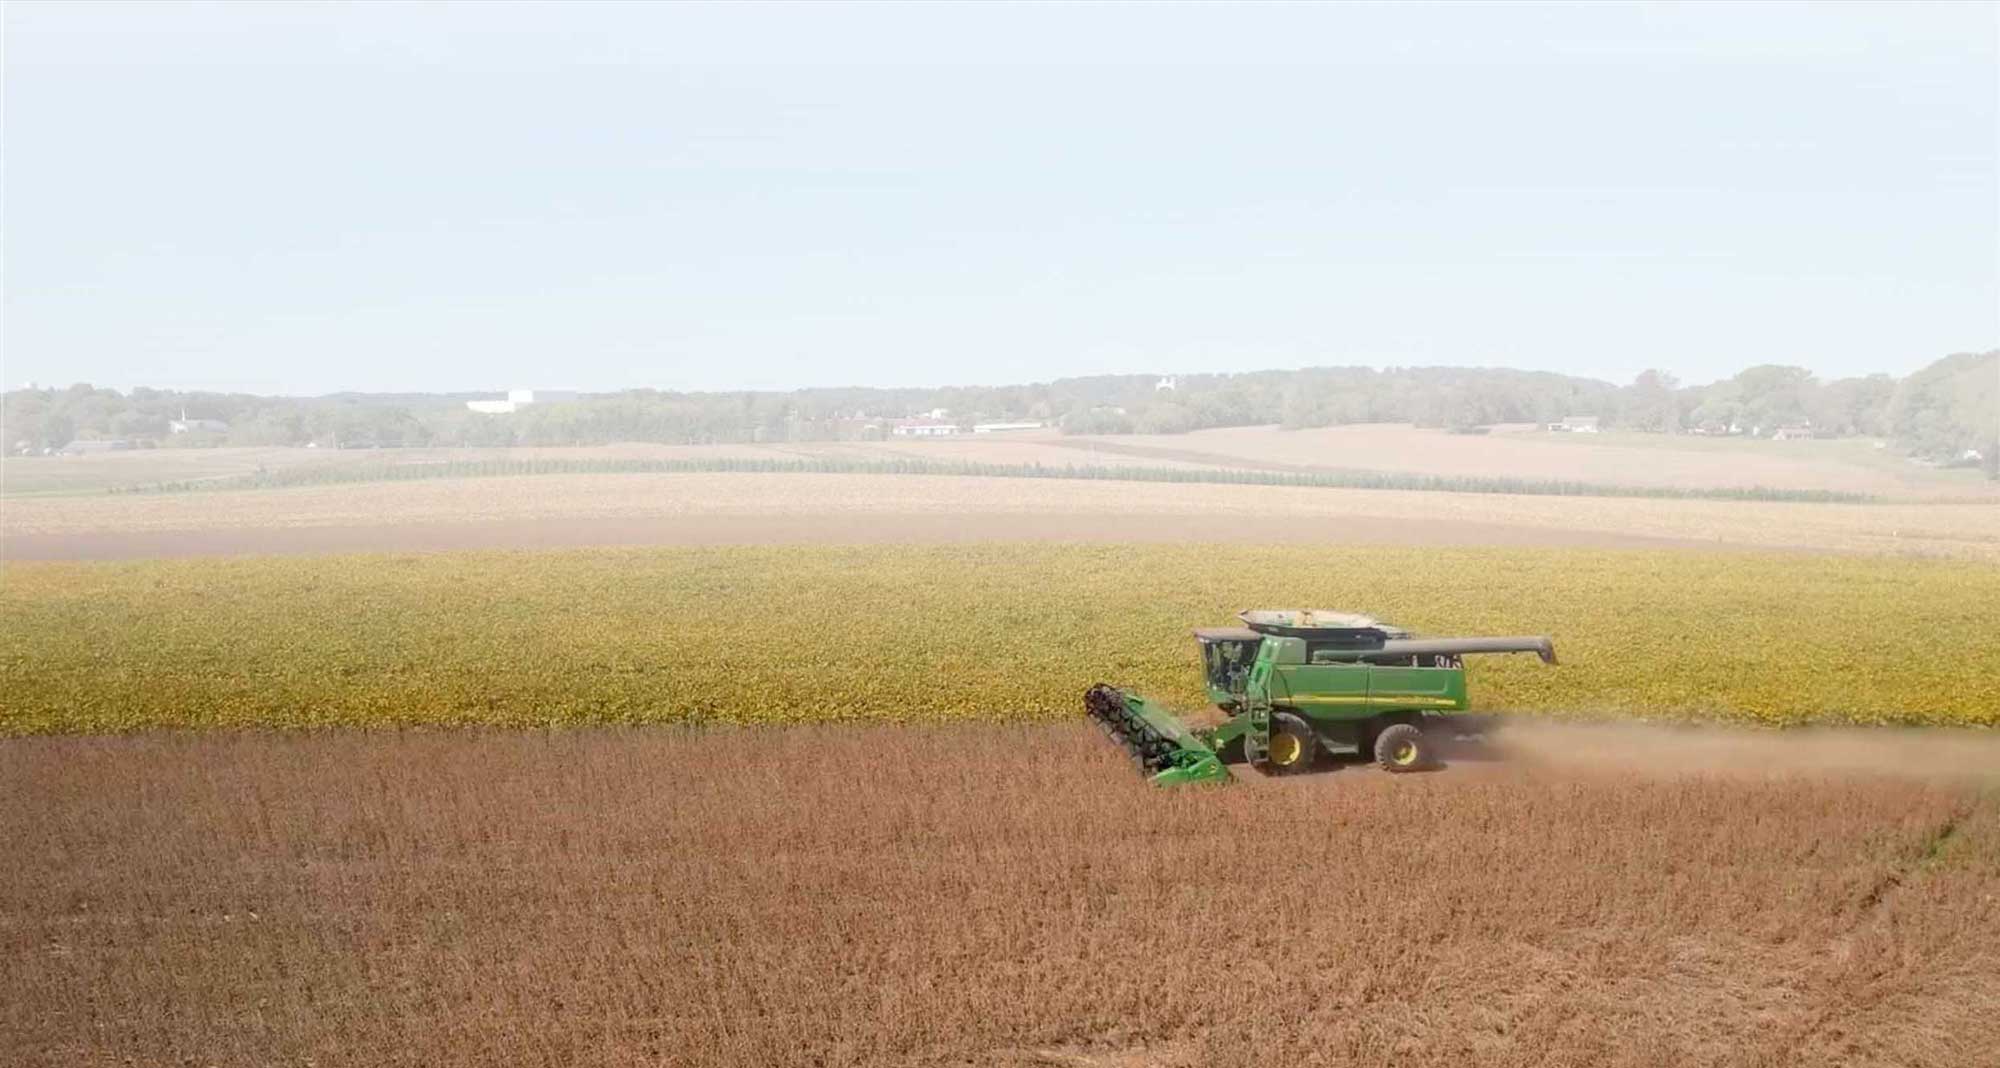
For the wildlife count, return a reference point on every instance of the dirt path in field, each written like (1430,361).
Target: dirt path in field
(796,529)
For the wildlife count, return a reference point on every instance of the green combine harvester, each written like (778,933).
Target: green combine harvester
(1299,682)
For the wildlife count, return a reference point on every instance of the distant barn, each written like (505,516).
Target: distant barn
(184,425)
(518,399)
(923,428)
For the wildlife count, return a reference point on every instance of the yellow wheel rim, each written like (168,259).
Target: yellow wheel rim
(1285,749)
(1405,754)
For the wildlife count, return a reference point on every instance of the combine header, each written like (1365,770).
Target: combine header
(1295,683)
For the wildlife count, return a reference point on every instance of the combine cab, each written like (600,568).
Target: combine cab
(1297,683)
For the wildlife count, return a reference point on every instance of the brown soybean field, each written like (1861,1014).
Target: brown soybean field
(987,895)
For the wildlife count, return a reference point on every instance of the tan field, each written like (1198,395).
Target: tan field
(975,897)
(536,511)
(1622,459)
(59,507)
(1610,459)
(146,469)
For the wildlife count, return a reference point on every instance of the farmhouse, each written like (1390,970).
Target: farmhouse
(184,425)
(923,428)
(1576,424)
(521,398)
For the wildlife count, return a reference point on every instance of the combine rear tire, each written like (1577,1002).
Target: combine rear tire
(1293,745)
(1402,747)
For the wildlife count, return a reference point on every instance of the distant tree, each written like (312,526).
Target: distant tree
(1774,395)
(1852,405)
(1651,403)
(1937,411)
(57,430)
(133,423)
(1164,417)
(1303,406)
(1463,407)
(1948,407)
(1102,420)
(1721,405)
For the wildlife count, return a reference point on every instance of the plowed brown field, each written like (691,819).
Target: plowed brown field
(625,509)
(988,895)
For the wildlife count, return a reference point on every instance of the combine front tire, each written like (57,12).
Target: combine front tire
(1402,747)
(1293,745)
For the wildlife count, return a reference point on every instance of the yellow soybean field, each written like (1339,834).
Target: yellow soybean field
(901,633)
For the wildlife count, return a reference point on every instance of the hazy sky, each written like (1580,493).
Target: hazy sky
(305,198)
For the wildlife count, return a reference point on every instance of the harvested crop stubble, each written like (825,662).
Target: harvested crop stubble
(837,465)
(965,896)
(803,634)
(1962,529)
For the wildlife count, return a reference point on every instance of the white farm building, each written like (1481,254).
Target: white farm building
(923,428)
(518,399)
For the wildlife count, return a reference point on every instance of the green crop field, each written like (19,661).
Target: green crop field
(898,633)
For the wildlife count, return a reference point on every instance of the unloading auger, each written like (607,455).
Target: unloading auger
(1295,683)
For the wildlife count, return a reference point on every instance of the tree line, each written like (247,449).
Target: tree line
(1940,412)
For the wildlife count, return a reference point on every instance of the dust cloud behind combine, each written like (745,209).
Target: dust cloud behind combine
(1936,754)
